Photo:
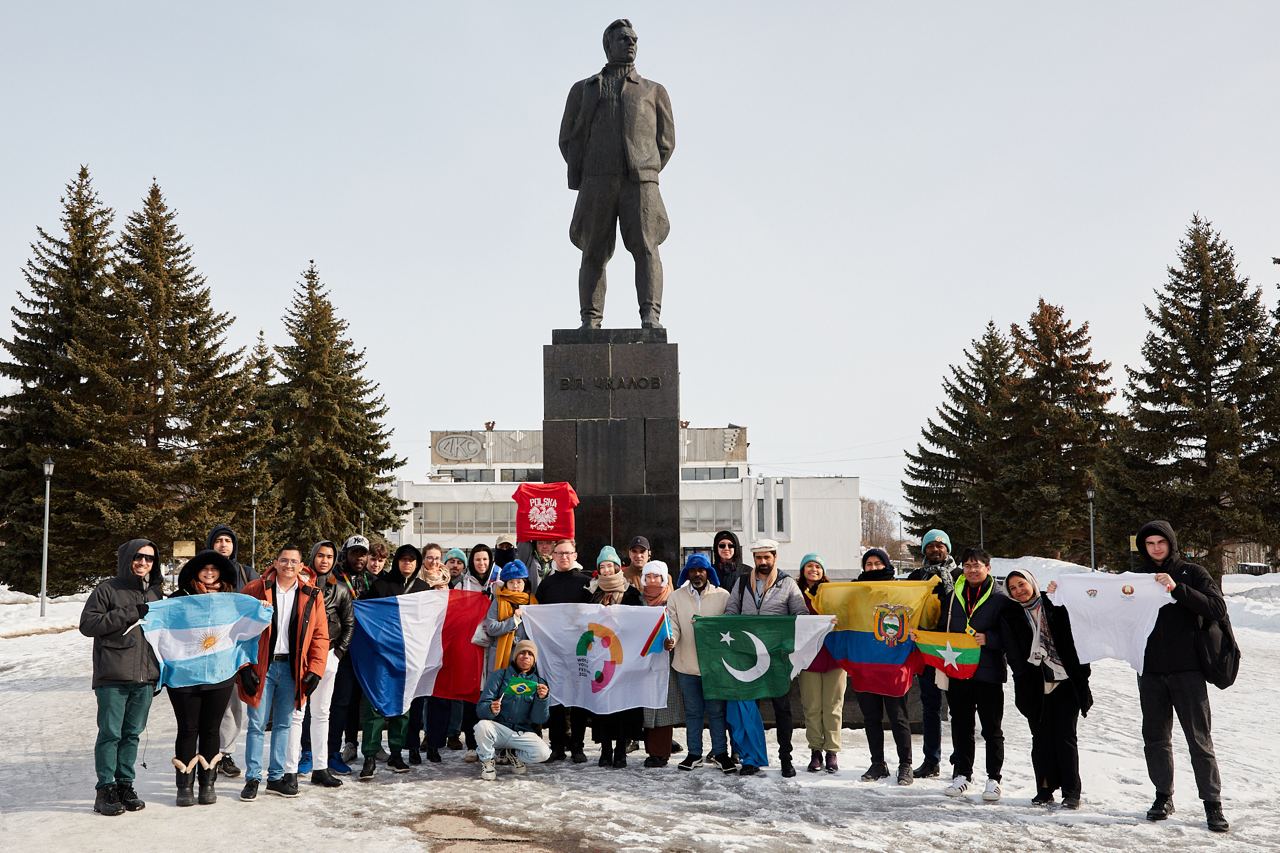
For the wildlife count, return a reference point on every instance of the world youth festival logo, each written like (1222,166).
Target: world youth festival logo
(599,655)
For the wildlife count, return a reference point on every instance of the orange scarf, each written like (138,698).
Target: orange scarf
(507,603)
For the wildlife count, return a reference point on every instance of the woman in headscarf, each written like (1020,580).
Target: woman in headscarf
(1050,686)
(614,731)
(659,723)
(822,683)
(199,708)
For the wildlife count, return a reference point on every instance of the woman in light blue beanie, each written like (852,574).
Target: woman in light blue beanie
(822,683)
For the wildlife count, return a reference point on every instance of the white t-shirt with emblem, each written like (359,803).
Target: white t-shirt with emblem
(1111,615)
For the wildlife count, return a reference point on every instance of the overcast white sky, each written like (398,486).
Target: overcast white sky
(856,188)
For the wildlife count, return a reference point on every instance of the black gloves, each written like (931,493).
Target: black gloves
(310,682)
(142,610)
(249,680)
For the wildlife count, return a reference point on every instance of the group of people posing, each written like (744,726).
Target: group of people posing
(303,687)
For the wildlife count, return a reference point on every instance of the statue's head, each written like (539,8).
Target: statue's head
(620,41)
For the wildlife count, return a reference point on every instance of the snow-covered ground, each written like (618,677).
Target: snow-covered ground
(46,777)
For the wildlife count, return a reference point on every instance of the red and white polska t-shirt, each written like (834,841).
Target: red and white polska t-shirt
(544,511)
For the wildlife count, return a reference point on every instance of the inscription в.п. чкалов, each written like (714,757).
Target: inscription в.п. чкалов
(612,383)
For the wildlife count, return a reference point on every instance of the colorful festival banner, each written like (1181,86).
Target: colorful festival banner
(604,659)
(874,621)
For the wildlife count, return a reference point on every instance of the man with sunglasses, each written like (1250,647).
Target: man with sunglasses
(566,585)
(125,671)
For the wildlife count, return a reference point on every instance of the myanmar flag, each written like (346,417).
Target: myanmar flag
(955,654)
(872,640)
(755,657)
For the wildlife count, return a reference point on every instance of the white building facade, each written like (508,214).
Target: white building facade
(467,497)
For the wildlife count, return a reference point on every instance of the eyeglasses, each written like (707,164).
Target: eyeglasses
(724,545)
(564,553)
(288,562)
(146,558)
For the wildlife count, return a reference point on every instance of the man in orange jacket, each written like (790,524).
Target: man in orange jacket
(291,660)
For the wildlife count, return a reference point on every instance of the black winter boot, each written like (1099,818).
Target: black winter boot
(1213,814)
(207,776)
(1161,808)
(107,801)
(185,778)
(129,798)
(606,755)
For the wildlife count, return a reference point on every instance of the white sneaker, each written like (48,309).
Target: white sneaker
(517,766)
(959,787)
(470,756)
(992,793)
(488,772)
(349,752)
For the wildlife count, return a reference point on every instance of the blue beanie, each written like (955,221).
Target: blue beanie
(698,560)
(513,570)
(813,558)
(608,555)
(454,554)
(936,534)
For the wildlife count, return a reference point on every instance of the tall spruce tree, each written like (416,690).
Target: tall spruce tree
(951,478)
(332,457)
(1195,452)
(185,390)
(64,346)
(1059,415)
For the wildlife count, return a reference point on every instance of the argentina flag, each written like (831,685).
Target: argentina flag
(204,639)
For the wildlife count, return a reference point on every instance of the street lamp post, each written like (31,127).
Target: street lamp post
(253,538)
(361,522)
(1093,560)
(44,554)
(982,538)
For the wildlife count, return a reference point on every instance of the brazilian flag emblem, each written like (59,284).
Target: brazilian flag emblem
(522,687)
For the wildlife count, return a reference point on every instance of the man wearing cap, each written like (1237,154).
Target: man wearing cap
(639,553)
(767,592)
(512,704)
(938,563)
(344,712)
(504,550)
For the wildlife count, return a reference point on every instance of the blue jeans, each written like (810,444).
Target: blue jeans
(694,708)
(277,700)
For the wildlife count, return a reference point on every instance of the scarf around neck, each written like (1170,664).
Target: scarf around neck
(508,601)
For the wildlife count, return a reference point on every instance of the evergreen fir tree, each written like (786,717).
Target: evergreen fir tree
(1059,416)
(331,457)
(1196,450)
(63,322)
(951,478)
(185,390)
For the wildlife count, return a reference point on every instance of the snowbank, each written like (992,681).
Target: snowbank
(20,613)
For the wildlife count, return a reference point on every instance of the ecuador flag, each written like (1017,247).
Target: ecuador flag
(955,654)
(874,621)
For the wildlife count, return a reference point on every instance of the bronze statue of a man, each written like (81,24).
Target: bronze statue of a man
(616,135)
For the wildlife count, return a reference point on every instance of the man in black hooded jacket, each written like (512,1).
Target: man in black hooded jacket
(125,670)
(1171,681)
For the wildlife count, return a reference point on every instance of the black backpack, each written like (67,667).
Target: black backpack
(1218,652)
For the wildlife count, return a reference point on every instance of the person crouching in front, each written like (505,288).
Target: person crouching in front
(513,701)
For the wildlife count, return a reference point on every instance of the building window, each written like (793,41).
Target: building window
(760,515)
(464,517)
(708,473)
(469,475)
(522,475)
(708,516)
(781,526)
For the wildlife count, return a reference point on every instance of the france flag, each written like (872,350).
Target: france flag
(205,639)
(418,645)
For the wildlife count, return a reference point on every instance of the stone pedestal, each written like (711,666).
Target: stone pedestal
(611,427)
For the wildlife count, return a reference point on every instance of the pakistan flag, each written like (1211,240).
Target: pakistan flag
(755,657)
